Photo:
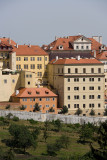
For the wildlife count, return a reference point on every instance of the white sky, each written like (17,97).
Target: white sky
(39,21)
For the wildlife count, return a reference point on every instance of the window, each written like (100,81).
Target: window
(76,79)
(5,80)
(99,79)
(69,70)
(40,99)
(47,99)
(68,97)
(83,79)
(25,66)
(91,88)
(30,106)
(99,70)
(82,47)
(76,105)
(92,70)
(39,66)
(25,58)
(76,70)
(39,74)
(83,105)
(68,79)
(68,88)
(62,70)
(58,70)
(87,47)
(32,58)
(77,47)
(28,82)
(18,58)
(99,96)
(91,105)
(39,58)
(83,88)
(91,96)
(32,66)
(76,97)
(53,99)
(24,99)
(53,105)
(18,67)
(45,58)
(47,105)
(99,88)
(68,105)
(33,99)
(84,70)
(99,105)
(91,79)
(76,88)
(84,97)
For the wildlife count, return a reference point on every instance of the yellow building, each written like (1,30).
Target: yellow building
(32,58)
(79,83)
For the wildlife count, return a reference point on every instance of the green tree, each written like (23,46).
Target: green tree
(36,107)
(21,137)
(45,135)
(105,112)
(9,155)
(92,112)
(65,141)
(78,111)
(64,109)
(46,125)
(51,109)
(58,124)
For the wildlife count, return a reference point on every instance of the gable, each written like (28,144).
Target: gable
(82,39)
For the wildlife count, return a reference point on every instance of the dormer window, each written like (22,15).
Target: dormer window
(60,47)
(29,93)
(37,92)
(46,92)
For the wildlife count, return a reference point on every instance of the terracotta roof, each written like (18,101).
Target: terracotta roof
(75,61)
(102,55)
(5,40)
(66,43)
(29,51)
(34,92)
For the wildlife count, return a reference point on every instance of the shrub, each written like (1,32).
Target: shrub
(15,118)
(64,110)
(105,112)
(1,118)
(51,109)
(36,107)
(32,121)
(78,112)
(8,106)
(22,107)
(92,112)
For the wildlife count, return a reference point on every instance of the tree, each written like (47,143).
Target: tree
(51,109)
(78,112)
(92,112)
(36,107)
(57,123)
(65,141)
(64,110)
(21,137)
(105,112)
(45,135)
(46,125)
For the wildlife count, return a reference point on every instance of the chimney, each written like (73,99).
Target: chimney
(17,45)
(95,53)
(98,38)
(9,41)
(56,38)
(29,46)
(17,92)
(56,58)
(78,57)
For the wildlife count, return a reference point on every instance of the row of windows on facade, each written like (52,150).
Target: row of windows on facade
(77,79)
(32,66)
(31,58)
(76,70)
(3,54)
(33,106)
(40,99)
(84,97)
(82,47)
(77,88)
(91,105)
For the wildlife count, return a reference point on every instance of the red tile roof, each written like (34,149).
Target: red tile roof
(25,50)
(75,61)
(6,41)
(34,92)
(102,55)
(94,44)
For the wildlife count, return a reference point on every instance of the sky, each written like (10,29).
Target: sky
(37,22)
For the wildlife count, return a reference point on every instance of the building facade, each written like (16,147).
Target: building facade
(79,84)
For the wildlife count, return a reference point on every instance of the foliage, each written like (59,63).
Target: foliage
(32,121)
(1,118)
(36,132)
(46,125)
(65,141)
(57,124)
(22,137)
(15,118)
(9,116)
(51,109)
(78,111)
(64,109)
(45,135)
(92,112)
(22,107)
(8,106)
(105,112)
(36,107)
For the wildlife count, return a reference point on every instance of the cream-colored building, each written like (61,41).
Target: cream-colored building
(10,82)
(79,83)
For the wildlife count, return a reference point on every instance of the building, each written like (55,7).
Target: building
(79,83)
(28,97)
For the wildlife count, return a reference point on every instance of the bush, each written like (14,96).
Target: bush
(36,107)
(22,107)
(78,112)
(1,118)
(64,110)
(15,118)
(8,107)
(92,112)
(105,112)
(32,121)
(51,109)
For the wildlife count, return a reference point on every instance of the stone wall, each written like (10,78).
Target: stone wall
(43,117)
